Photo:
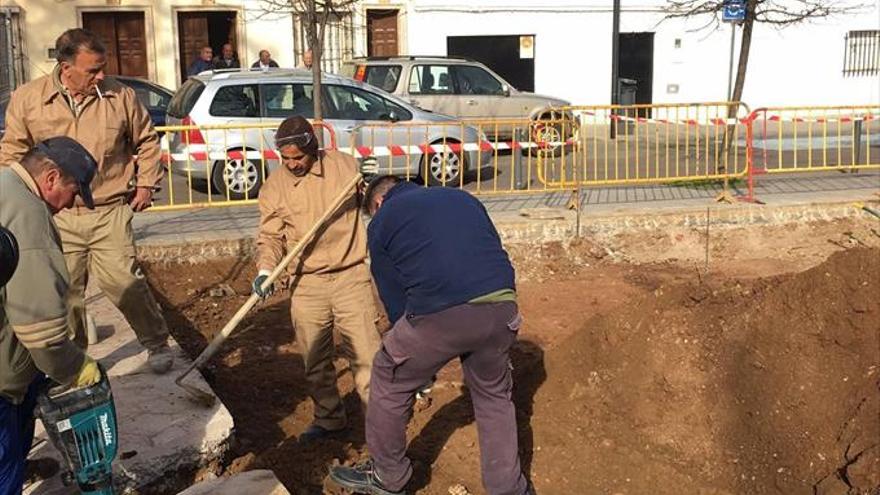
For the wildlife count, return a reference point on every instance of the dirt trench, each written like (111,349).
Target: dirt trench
(637,371)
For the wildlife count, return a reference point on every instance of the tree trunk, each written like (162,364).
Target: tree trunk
(738,86)
(315,46)
(745,44)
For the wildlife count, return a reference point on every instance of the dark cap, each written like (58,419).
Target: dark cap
(75,161)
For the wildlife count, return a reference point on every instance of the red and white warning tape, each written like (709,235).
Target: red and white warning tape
(722,122)
(822,120)
(367,151)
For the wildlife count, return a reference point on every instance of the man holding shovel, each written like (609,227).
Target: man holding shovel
(330,285)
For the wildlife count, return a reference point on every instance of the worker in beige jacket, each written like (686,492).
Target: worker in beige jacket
(34,339)
(106,118)
(330,284)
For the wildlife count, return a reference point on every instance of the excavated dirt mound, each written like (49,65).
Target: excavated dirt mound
(629,379)
(769,387)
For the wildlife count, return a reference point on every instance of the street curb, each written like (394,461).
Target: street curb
(555,225)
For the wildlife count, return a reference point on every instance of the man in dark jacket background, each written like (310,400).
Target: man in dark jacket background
(265,61)
(228,59)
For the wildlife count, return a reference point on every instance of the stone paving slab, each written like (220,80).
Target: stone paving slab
(160,430)
(258,482)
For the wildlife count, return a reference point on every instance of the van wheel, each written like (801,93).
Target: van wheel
(240,176)
(444,168)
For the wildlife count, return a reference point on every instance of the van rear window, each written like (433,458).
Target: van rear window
(185,98)
(384,77)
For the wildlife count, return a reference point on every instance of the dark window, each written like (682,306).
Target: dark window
(185,98)
(284,100)
(384,77)
(236,101)
(430,80)
(148,95)
(861,55)
(476,81)
(347,103)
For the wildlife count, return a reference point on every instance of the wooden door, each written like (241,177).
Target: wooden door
(193,35)
(124,36)
(131,44)
(382,33)
(104,25)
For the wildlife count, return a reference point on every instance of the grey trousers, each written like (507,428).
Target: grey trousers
(412,352)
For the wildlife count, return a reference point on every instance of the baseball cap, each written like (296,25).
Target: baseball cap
(75,161)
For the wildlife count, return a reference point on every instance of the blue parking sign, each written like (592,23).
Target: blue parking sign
(733,11)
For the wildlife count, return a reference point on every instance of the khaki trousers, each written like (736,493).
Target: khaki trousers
(319,303)
(99,243)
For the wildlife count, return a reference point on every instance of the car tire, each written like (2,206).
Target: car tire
(432,167)
(242,177)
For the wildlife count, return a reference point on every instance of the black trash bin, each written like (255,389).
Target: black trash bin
(626,95)
(626,91)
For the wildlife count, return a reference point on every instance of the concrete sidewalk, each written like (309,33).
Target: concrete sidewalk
(222,231)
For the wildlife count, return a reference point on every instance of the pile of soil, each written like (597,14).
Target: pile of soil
(731,387)
(629,379)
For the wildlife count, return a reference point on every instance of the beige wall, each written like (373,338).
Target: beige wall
(44,20)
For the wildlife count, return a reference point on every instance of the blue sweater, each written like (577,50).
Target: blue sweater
(431,249)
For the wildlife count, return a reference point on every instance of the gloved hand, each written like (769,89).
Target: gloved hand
(258,283)
(369,166)
(89,374)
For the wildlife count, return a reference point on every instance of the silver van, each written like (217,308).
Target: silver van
(252,103)
(466,89)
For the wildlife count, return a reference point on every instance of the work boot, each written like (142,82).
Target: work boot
(361,478)
(315,432)
(160,359)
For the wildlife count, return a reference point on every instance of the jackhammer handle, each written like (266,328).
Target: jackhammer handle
(254,299)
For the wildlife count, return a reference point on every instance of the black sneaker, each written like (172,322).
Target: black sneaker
(360,479)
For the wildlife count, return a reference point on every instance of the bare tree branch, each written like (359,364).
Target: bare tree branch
(314,15)
(776,13)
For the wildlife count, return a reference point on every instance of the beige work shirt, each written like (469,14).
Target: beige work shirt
(113,127)
(291,205)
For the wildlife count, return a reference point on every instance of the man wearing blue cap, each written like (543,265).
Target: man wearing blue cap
(34,341)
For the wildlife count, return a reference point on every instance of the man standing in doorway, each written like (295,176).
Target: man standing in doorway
(444,307)
(330,285)
(106,118)
(203,63)
(227,59)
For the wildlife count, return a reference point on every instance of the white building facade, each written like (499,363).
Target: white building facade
(556,47)
(572,45)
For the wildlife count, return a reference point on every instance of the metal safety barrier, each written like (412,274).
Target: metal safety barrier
(812,139)
(563,150)
(482,156)
(639,144)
